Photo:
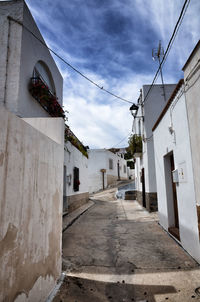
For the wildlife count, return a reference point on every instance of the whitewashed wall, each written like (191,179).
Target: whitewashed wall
(31,191)
(179,143)
(18,63)
(99,159)
(74,158)
(151,110)
(116,158)
(192,89)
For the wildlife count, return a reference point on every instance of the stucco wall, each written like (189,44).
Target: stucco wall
(114,172)
(31,174)
(192,89)
(10,71)
(96,162)
(74,158)
(99,159)
(151,110)
(24,52)
(179,143)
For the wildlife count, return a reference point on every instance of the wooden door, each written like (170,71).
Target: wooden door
(175,229)
(143,189)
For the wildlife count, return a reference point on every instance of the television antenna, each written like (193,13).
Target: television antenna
(157,55)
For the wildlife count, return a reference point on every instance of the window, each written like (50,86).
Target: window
(42,71)
(110,164)
(76,179)
(139,127)
(124,169)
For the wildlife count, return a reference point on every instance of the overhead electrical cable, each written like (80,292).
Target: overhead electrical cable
(171,41)
(68,64)
(121,140)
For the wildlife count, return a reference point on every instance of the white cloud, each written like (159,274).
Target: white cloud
(98,119)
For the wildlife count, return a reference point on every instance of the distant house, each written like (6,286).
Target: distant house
(76,186)
(105,168)
(149,108)
(31,159)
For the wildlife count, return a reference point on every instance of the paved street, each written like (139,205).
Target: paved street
(117,252)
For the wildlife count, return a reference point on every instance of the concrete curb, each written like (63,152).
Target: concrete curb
(56,288)
(69,219)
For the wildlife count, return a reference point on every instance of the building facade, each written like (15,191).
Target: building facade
(105,168)
(149,107)
(28,73)
(76,185)
(174,174)
(31,159)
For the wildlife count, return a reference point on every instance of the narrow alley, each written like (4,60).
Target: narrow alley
(116,251)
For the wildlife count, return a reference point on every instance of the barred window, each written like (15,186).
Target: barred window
(110,164)
(76,179)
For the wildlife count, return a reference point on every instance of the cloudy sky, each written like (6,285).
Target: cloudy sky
(111,42)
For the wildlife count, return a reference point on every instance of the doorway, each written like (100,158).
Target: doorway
(172,204)
(143,189)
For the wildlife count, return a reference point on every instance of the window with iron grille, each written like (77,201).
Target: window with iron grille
(76,179)
(110,164)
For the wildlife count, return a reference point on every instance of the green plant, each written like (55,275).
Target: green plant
(131,164)
(41,92)
(135,144)
(70,136)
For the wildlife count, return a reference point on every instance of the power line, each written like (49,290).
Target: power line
(68,64)
(121,140)
(171,41)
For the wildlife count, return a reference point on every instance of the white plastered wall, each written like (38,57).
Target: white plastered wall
(17,64)
(31,191)
(74,158)
(179,143)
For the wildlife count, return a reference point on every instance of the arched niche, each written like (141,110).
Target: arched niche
(42,71)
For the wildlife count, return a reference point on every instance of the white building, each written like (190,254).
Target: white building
(76,186)
(31,159)
(174,173)
(149,107)
(192,93)
(105,168)
(23,57)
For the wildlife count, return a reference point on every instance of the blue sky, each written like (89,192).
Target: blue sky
(111,42)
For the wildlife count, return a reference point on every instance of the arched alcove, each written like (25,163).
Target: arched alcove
(42,71)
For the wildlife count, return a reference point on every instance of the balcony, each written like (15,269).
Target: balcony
(41,93)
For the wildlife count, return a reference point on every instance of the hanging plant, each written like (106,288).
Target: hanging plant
(70,136)
(135,144)
(41,92)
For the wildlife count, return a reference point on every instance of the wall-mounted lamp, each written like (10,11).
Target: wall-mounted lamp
(134,109)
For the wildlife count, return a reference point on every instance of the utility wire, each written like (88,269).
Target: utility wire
(121,141)
(176,28)
(64,61)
